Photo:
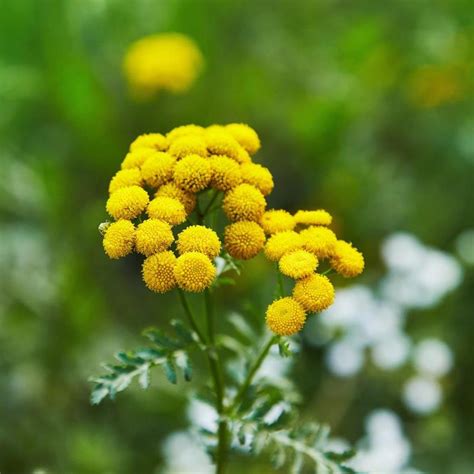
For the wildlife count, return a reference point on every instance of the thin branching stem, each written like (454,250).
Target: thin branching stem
(190,316)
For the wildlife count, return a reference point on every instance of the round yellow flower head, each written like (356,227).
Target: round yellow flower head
(158,271)
(298,264)
(136,158)
(319,217)
(188,200)
(188,145)
(124,178)
(193,173)
(283,242)
(158,169)
(183,131)
(225,173)
(285,316)
(153,236)
(198,238)
(168,61)
(277,220)
(319,240)
(194,272)
(246,136)
(127,203)
(119,239)
(314,293)
(244,240)
(244,203)
(167,209)
(347,260)
(156,141)
(258,176)
(220,142)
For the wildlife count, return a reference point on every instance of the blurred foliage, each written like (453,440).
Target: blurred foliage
(363,108)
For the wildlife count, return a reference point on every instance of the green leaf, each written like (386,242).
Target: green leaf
(170,370)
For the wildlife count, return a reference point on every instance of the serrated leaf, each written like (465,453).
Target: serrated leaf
(170,370)
(144,378)
(98,394)
(183,332)
(160,339)
(242,327)
(341,457)
(183,362)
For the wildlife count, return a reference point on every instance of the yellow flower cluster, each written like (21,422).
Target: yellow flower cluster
(169,61)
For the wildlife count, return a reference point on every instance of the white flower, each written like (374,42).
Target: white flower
(422,395)
(433,357)
(344,359)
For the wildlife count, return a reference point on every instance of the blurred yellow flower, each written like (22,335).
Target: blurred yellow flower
(243,240)
(156,141)
(136,158)
(188,200)
(246,136)
(285,316)
(347,260)
(158,271)
(124,178)
(319,217)
(319,240)
(282,242)
(199,238)
(277,220)
(188,145)
(194,272)
(259,176)
(119,239)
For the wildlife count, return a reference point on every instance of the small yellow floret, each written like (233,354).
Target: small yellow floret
(199,238)
(194,272)
(277,220)
(188,145)
(314,293)
(285,316)
(183,131)
(156,141)
(124,178)
(283,242)
(220,142)
(347,260)
(167,209)
(298,264)
(225,173)
(193,173)
(244,240)
(158,271)
(319,217)
(188,200)
(119,239)
(319,240)
(158,169)
(153,236)
(244,203)
(127,203)
(259,176)
(246,136)
(136,158)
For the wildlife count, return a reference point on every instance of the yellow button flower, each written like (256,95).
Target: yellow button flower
(283,242)
(158,271)
(319,240)
(258,176)
(277,220)
(194,272)
(156,141)
(285,317)
(167,209)
(347,260)
(188,145)
(298,264)
(183,131)
(220,142)
(198,238)
(319,217)
(158,169)
(225,173)
(153,236)
(124,178)
(246,136)
(127,203)
(188,200)
(136,158)
(244,203)
(244,240)
(119,239)
(314,293)
(193,173)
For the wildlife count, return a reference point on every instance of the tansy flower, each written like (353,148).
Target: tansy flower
(319,240)
(119,239)
(258,176)
(167,209)
(127,203)
(298,264)
(194,272)
(314,293)
(124,178)
(246,136)
(136,158)
(158,271)
(153,236)
(347,260)
(188,145)
(319,217)
(158,169)
(193,173)
(188,200)
(277,220)
(244,240)
(244,203)
(222,143)
(156,141)
(198,238)
(183,131)
(225,173)
(168,61)
(283,242)
(285,317)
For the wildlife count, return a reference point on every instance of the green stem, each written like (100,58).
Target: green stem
(281,285)
(327,272)
(211,202)
(190,316)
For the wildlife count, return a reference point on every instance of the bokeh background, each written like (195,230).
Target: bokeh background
(363,108)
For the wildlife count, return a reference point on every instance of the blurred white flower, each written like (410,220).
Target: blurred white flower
(465,246)
(402,252)
(433,357)
(422,395)
(344,359)
(202,415)
(391,352)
